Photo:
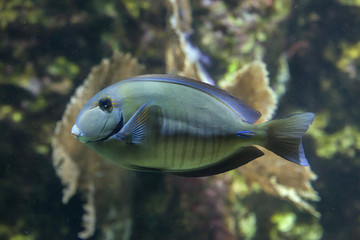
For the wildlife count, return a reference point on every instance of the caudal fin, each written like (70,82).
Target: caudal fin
(284,136)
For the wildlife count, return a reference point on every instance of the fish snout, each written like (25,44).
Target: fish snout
(78,134)
(76,131)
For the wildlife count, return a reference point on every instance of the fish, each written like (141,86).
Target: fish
(177,125)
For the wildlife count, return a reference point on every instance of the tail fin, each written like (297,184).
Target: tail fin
(284,136)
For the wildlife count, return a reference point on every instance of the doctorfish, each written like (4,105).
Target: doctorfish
(177,125)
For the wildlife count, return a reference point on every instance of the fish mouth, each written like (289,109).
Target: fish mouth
(77,133)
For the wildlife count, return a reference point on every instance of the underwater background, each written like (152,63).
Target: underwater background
(281,56)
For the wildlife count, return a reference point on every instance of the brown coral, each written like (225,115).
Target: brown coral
(76,165)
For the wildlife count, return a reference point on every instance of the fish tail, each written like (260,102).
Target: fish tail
(284,136)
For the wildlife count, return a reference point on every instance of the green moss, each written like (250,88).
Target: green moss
(17,117)
(8,112)
(110,9)
(231,70)
(308,232)
(282,76)
(13,232)
(286,226)
(249,44)
(39,104)
(284,221)
(20,76)
(243,31)
(261,36)
(281,9)
(242,221)
(134,7)
(63,67)
(248,225)
(42,149)
(345,141)
(21,237)
(345,57)
(240,188)
(5,110)
(350,2)
(20,11)
(349,59)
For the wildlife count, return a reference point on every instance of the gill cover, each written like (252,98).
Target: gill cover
(98,119)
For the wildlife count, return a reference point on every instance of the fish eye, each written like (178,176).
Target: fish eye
(105,104)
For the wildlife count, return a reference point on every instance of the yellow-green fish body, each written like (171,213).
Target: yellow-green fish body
(178,125)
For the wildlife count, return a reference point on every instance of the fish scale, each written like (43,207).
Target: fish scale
(181,151)
(177,139)
(178,134)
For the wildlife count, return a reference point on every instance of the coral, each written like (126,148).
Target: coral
(182,57)
(77,166)
(257,92)
(89,217)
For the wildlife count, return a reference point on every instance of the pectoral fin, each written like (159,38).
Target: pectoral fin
(140,124)
(135,129)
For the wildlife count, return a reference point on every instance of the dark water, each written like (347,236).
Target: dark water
(47,48)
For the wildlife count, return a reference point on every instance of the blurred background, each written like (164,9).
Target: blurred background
(311,50)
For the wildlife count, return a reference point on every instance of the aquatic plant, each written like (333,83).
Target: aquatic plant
(80,169)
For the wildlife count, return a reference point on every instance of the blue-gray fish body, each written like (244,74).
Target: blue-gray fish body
(182,126)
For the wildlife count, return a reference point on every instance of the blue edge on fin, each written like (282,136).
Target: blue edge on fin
(303,160)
